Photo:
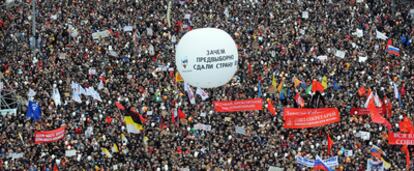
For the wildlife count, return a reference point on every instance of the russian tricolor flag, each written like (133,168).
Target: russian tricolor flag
(392,50)
(320,165)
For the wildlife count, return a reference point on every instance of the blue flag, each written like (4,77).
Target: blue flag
(303,85)
(282,95)
(259,90)
(336,86)
(33,111)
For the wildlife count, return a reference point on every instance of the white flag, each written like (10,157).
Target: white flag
(381,35)
(359,33)
(89,132)
(31,94)
(368,99)
(240,130)
(76,92)
(93,93)
(202,93)
(190,93)
(396,92)
(100,85)
(56,96)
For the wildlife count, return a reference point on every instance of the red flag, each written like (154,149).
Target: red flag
(108,119)
(402,90)
(404,148)
(270,107)
(249,69)
(330,144)
(181,114)
(143,120)
(102,78)
(119,106)
(162,124)
(406,125)
(179,150)
(299,100)
(389,42)
(361,91)
(172,117)
(172,75)
(388,107)
(55,167)
(374,113)
(317,86)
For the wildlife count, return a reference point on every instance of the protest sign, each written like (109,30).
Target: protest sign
(298,118)
(238,105)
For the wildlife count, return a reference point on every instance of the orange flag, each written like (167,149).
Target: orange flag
(270,107)
(178,77)
(317,86)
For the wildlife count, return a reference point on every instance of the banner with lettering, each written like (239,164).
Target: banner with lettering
(238,105)
(396,138)
(49,136)
(331,162)
(364,111)
(298,118)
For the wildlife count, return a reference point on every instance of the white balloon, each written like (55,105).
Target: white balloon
(206,57)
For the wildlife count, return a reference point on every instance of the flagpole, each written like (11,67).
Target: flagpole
(317,100)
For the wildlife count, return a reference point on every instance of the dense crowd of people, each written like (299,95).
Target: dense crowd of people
(138,68)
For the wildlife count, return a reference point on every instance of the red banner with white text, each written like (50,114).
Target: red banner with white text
(298,118)
(49,136)
(364,111)
(238,105)
(396,138)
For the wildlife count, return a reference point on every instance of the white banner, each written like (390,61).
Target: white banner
(330,162)
(364,135)
(322,57)
(273,168)
(101,34)
(128,28)
(305,14)
(15,155)
(203,127)
(362,58)
(375,165)
(340,53)
(359,33)
(70,153)
(4,112)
